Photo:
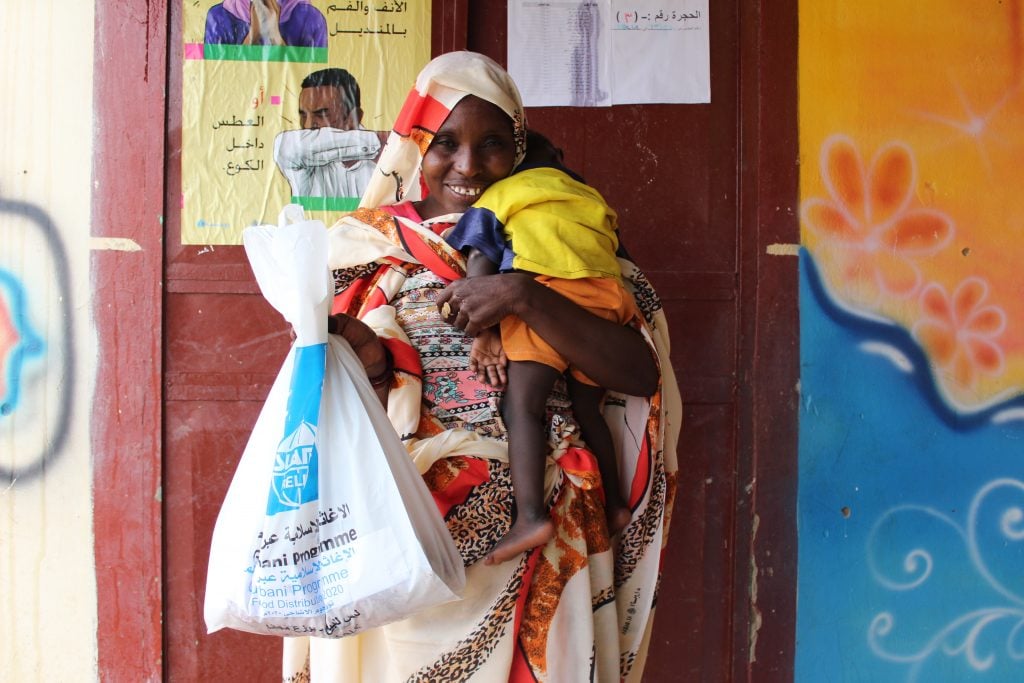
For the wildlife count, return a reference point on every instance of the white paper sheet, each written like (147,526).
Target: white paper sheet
(588,53)
(558,52)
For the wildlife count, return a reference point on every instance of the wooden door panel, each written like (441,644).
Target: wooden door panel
(694,619)
(224,350)
(225,347)
(204,439)
(703,345)
(687,182)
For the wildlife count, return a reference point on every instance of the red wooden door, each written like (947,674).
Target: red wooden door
(702,191)
(709,188)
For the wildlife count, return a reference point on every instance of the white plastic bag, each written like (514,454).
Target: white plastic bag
(327,528)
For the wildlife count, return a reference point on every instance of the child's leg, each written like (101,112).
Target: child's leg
(586,406)
(523,410)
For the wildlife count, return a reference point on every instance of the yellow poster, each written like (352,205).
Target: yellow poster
(289,101)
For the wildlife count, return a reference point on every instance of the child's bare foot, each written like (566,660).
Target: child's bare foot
(618,518)
(524,535)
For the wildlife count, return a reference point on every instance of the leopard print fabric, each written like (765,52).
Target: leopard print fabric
(466,658)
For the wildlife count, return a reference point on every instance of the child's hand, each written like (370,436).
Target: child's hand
(487,358)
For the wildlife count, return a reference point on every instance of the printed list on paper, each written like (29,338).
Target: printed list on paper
(594,53)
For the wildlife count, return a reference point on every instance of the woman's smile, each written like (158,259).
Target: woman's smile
(472,192)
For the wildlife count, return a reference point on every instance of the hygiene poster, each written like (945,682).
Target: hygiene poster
(289,101)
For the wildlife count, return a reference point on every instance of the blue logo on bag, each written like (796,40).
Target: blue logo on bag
(296,466)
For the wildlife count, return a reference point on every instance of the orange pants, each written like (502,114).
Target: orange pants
(602,296)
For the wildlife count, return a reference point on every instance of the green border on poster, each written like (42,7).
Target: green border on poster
(265,53)
(327,203)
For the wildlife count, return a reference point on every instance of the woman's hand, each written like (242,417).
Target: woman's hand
(474,304)
(363,340)
(613,355)
(264,25)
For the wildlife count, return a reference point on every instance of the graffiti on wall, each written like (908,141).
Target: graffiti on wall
(37,357)
(18,342)
(911,489)
(911,529)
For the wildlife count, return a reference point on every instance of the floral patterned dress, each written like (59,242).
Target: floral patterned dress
(578,608)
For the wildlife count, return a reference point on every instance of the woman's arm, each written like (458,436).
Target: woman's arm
(615,356)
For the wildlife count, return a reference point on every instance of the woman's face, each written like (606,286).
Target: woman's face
(473,148)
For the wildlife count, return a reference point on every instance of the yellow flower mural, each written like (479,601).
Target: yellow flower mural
(911,149)
(960,331)
(869,222)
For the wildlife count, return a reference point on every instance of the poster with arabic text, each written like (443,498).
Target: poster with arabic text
(289,101)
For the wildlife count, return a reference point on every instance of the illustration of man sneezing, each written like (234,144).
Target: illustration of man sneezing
(333,155)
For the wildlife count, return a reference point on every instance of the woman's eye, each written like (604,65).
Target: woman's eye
(446,143)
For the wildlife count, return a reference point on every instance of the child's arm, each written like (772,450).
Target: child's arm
(477,263)
(486,357)
(479,236)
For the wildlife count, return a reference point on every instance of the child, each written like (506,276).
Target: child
(545,220)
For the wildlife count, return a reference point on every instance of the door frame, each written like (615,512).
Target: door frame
(129,103)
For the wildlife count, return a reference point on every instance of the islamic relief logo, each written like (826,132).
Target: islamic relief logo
(295,478)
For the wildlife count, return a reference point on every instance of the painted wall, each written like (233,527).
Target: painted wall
(911,482)
(47,350)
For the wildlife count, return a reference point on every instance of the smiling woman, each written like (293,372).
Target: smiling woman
(553,611)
